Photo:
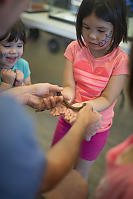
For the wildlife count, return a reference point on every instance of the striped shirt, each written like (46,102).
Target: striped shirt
(92,75)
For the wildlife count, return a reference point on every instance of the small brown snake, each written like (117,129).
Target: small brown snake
(68,105)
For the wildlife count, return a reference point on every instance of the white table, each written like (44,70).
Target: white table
(43,22)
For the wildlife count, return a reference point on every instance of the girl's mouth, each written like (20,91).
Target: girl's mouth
(92,44)
(11,59)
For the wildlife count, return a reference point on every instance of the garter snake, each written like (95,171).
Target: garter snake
(68,105)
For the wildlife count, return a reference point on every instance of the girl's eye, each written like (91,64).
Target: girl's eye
(7,46)
(101,31)
(20,45)
(85,27)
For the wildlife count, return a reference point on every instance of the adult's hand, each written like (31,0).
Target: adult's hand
(33,95)
(45,89)
(90,119)
(43,93)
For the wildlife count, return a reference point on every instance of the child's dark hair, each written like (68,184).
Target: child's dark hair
(113,11)
(130,85)
(16,32)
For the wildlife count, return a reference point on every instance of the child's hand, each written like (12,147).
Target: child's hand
(8,76)
(19,78)
(68,114)
(69,96)
(60,109)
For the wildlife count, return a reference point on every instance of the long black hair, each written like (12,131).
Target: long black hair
(113,11)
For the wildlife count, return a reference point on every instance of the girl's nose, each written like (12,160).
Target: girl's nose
(12,51)
(92,35)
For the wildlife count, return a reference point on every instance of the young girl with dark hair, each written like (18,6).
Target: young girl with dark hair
(14,70)
(95,72)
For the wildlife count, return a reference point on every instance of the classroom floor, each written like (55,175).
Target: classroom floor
(48,67)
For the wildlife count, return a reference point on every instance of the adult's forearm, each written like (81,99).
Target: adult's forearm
(4,87)
(33,95)
(20,93)
(63,155)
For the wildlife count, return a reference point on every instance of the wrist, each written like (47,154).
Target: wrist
(24,98)
(32,89)
(68,93)
(81,126)
(82,122)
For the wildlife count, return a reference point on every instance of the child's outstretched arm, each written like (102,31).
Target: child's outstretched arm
(68,81)
(110,93)
(68,91)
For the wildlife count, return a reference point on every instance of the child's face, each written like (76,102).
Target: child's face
(10,53)
(97,33)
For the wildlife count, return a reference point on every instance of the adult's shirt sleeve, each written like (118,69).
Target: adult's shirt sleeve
(22,162)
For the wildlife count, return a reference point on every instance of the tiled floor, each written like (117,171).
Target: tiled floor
(47,67)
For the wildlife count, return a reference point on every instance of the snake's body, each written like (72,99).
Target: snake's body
(68,105)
